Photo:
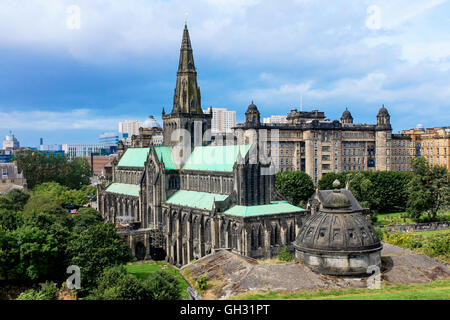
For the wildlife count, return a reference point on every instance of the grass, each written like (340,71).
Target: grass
(143,269)
(392,218)
(438,290)
(401,218)
(427,234)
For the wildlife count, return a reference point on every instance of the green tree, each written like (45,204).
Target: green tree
(95,249)
(15,200)
(294,185)
(161,285)
(78,173)
(10,220)
(115,283)
(85,218)
(40,168)
(37,251)
(48,291)
(429,189)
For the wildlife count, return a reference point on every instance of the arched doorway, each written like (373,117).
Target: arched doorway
(140,251)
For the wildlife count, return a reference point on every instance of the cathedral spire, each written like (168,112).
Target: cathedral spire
(187,97)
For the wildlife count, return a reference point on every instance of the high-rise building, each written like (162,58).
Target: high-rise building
(11,142)
(275,119)
(131,127)
(223,120)
(86,150)
(112,138)
(431,143)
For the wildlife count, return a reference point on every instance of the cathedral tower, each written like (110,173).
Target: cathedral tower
(187,110)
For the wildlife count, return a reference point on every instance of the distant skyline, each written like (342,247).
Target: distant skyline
(68,84)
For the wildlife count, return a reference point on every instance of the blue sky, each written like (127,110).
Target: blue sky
(69,85)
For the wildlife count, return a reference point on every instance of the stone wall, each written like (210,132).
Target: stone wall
(430,226)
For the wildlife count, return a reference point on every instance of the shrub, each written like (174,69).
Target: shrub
(162,285)
(202,282)
(48,291)
(438,245)
(285,255)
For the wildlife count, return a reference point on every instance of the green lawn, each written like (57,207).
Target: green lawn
(143,269)
(427,234)
(396,218)
(392,218)
(438,290)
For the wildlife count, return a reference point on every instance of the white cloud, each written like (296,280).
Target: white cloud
(77,119)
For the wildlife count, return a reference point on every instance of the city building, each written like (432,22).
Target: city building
(101,165)
(85,150)
(311,143)
(10,178)
(11,142)
(131,127)
(5,156)
(223,120)
(275,119)
(109,139)
(50,149)
(187,205)
(431,143)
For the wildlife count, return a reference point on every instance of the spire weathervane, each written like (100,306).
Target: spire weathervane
(185,17)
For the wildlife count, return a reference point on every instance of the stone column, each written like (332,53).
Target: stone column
(188,239)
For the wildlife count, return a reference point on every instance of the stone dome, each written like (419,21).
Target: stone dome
(150,122)
(346,114)
(338,239)
(383,111)
(252,107)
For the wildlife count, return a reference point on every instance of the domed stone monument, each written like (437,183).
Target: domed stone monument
(338,239)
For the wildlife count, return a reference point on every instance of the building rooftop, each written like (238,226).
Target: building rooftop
(275,207)
(195,199)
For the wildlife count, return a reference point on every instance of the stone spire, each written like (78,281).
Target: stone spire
(187,98)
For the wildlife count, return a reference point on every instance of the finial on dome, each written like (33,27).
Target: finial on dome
(336,183)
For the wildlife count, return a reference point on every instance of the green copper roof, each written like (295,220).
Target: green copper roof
(194,199)
(215,158)
(134,157)
(122,188)
(166,154)
(275,207)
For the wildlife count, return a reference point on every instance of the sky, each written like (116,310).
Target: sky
(70,70)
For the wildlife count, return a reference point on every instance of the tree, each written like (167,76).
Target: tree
(42,204)
(40,168)
(295,185)
(429,189)
(48,291)
(15,200)
(77,173)
(161,285)
(95,249)
(116,283)
(84,218)
(10,220)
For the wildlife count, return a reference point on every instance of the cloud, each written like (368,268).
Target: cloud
(78,119)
